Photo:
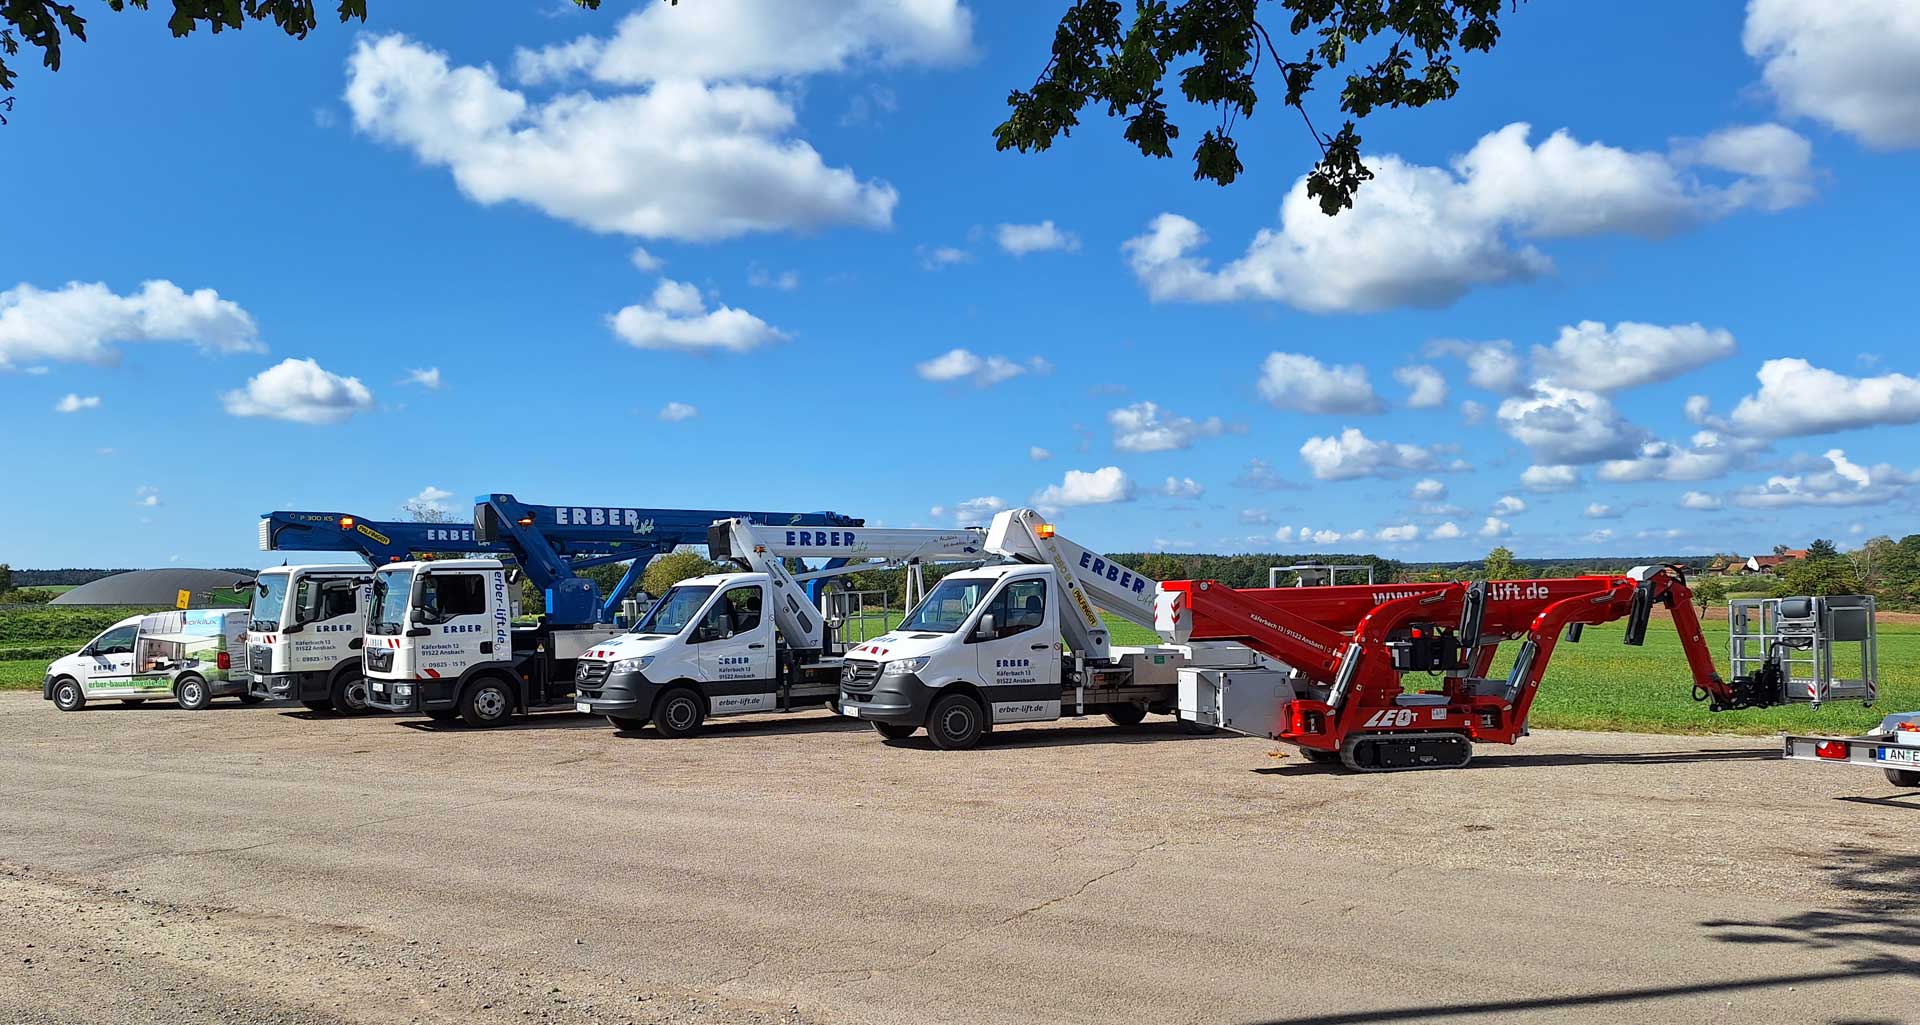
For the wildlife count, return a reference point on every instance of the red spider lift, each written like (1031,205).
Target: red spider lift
(1351,651)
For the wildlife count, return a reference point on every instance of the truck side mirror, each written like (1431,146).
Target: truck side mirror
(984,630)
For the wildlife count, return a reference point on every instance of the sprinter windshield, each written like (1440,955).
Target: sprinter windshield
(269,597)
(392,592)
(948,605)
(674,610)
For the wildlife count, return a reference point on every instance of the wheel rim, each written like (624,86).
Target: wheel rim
(490,703)
(354,695)
(190,692)
(957,722)
(681,713)
(66,693)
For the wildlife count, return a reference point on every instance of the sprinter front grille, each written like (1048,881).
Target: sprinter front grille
(859,678)
(590,673)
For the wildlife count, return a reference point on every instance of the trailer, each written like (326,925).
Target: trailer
(1395,676)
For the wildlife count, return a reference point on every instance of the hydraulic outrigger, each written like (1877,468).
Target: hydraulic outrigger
(1351,650)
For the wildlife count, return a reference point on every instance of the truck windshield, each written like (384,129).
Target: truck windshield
(392,592)
(947,606)
(269,597)
(674,610)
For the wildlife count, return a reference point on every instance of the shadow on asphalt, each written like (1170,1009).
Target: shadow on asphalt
(158,704)
(1874,932)
(1908,800)
(1078,736)
(1544,761)
(718,729)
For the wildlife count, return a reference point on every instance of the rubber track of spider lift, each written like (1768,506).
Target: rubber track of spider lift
(1406,752)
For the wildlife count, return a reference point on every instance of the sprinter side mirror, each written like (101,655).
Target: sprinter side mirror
(984,630)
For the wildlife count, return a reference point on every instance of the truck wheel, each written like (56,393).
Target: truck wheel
(67,695)
(487,703)
(895,731)
(1904,777)
(1127,715)
(956,723)
(192,693)
(318,706)
(349,694)
(679,713)
(626,723)
(133,701)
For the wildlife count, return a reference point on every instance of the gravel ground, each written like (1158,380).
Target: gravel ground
(265,865)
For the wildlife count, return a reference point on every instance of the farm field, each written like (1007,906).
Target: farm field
(30,638)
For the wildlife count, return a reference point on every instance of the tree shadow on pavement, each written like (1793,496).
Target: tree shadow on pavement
(1875,930)
(1558,760)
(1162,732)
(772,726)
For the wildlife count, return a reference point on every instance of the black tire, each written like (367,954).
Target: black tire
(251,699)
(192,693)
(444,715)
(1320,757)
(67,695)
(349,695)
(487,702)
(133,701)
(895,731)
(1904,777)
(956,723)
(1127,715)
(679,712)
(626,723)
(318,706)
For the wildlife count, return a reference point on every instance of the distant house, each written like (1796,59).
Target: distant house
(1773,563)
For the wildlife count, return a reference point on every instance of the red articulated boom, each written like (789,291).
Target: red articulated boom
(1352,648)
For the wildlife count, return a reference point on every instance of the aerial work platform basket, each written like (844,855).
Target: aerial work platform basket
(1823,647)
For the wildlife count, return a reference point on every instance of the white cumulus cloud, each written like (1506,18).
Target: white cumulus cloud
(1351,454)
(84,323)
(1445,532)
(1086,487)
(302,391)
(1553,477)
(1699,500)
(1425,236)
(676,317)
(1852,64)
(75,403)
(1145,427)
(1568,425)
(975,512)
(1182,487)
(674,412)
(1398,534)
(1830,480)
(984,371)
(1038,454)
(1426,388)
(1021,239)
(1495,527)
(681,159)
(1291,380)
(1599,358)
(1601,511)
(1796,398)
(1508,505)
(425,377)
(1429,490)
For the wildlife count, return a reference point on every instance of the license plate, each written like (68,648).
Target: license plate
(1903,755)
(849,710)
(582,706)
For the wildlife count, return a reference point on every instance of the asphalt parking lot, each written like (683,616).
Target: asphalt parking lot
(265,865)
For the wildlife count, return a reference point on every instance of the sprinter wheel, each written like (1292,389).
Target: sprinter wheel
(487,703)
(895,731)
(67,695)
(1127,715)
(349,694)
(192,693)
(679,713)
(1904,777)
(956,723)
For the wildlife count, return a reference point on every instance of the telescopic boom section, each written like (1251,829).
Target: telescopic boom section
(377,541)
(764,548)
(1353,647)
(1092,581)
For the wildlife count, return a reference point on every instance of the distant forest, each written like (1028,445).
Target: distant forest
(24,578)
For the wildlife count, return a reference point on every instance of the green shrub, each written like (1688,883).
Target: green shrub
(56,624)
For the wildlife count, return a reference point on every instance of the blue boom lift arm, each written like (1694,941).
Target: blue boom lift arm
(550,541)
(377,541)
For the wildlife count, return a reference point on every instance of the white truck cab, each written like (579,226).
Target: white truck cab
(190,656)
(303,641)
(729,643)
(1021,641)
(440,639)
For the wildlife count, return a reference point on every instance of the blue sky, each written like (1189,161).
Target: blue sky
(400,260)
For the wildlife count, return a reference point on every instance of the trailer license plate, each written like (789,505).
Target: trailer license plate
(1903,755)
(582,706)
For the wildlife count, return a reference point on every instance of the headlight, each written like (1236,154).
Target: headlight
(904,666)
(632,665)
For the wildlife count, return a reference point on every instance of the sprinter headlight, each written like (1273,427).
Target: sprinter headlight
(905,666)
(632,665)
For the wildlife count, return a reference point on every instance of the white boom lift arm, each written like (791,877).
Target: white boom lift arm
(1091,581)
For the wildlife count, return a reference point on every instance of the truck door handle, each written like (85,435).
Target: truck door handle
(1040,647)
(756,645)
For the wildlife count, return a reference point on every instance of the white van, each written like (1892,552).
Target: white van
(190,657)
